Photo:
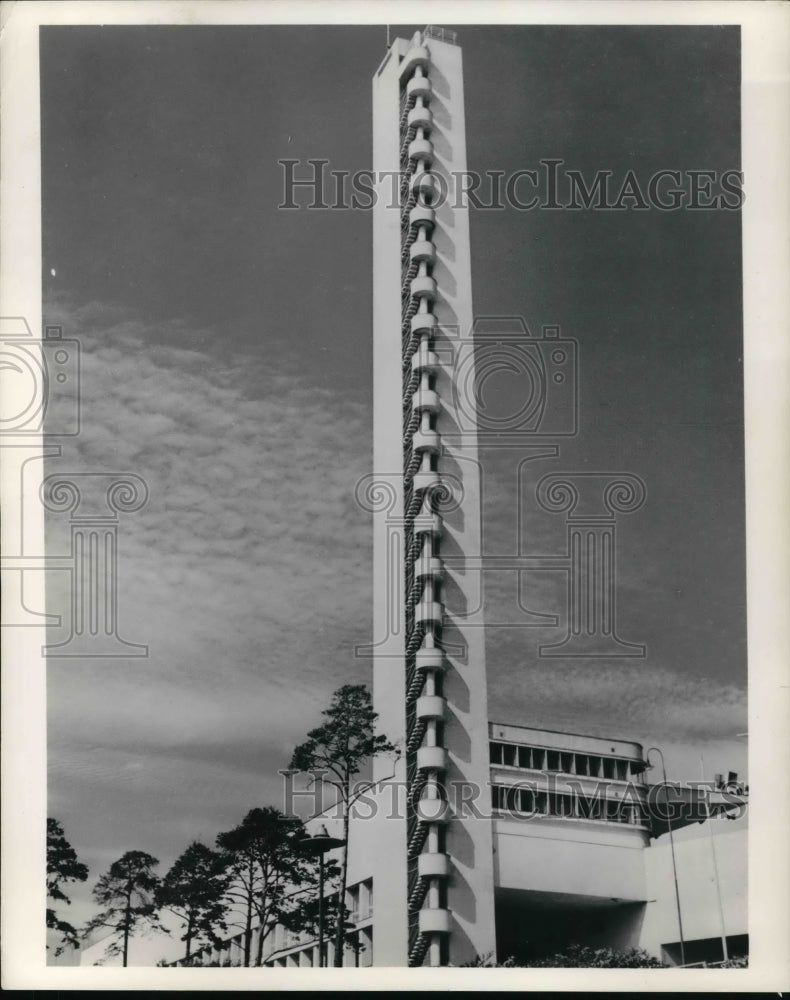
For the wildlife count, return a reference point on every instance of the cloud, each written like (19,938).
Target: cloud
(248,574)
(630,699)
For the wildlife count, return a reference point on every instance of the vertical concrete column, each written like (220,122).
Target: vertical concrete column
(468,839)
(384,834)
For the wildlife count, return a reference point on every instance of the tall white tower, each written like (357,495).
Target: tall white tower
(429,666)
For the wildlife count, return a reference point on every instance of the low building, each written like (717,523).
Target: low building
(585,851)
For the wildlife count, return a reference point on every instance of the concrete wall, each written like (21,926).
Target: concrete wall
(697,884)
(570,856)
(469,840)
(381,844)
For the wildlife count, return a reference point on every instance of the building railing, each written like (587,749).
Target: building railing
(586,765)
(441,34)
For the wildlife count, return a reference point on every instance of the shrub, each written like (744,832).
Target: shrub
(577,956)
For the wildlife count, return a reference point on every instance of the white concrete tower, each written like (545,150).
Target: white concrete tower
(435,874)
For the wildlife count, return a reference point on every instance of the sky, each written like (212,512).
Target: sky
(226,359)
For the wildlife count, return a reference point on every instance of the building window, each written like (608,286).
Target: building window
(361,900)
(515,800)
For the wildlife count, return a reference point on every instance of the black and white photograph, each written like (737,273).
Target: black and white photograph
(394,551)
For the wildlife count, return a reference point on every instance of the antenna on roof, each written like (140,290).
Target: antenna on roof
(388,36)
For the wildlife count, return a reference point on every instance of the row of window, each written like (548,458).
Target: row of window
(359,900)
(358,953)
(570,805)
(567,762)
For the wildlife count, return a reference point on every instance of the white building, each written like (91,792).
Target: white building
(581,854)
(489,838)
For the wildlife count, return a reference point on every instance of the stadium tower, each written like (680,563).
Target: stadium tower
(429,661)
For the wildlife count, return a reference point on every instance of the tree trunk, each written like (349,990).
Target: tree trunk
(259,956)
(248,927)
(126,920)
(190,923)
(340,928)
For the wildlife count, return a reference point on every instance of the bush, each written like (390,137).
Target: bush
(577,956)
(487,962)
(738,962)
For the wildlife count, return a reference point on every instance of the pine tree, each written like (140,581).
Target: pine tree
(62,866)
(127,893)
(194,890)
(265,871)
(335,754)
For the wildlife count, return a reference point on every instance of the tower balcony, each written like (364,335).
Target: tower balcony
(423,322)
(426,399)
(427,441)
(429,566)
(422,250)
(435,921)
(428,612)
(419,86)
(421,149)
(424,359)
(433,865)
(431,759)
(433,810)
(423,287)
(418,55)
(424,185)
(428,479)
(422,215)
(430,659)
(420,116)
(430,707)
(427,524)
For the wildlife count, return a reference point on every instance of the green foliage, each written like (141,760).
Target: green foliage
(62,866)
(194,890)
(264,867)
(127,893)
